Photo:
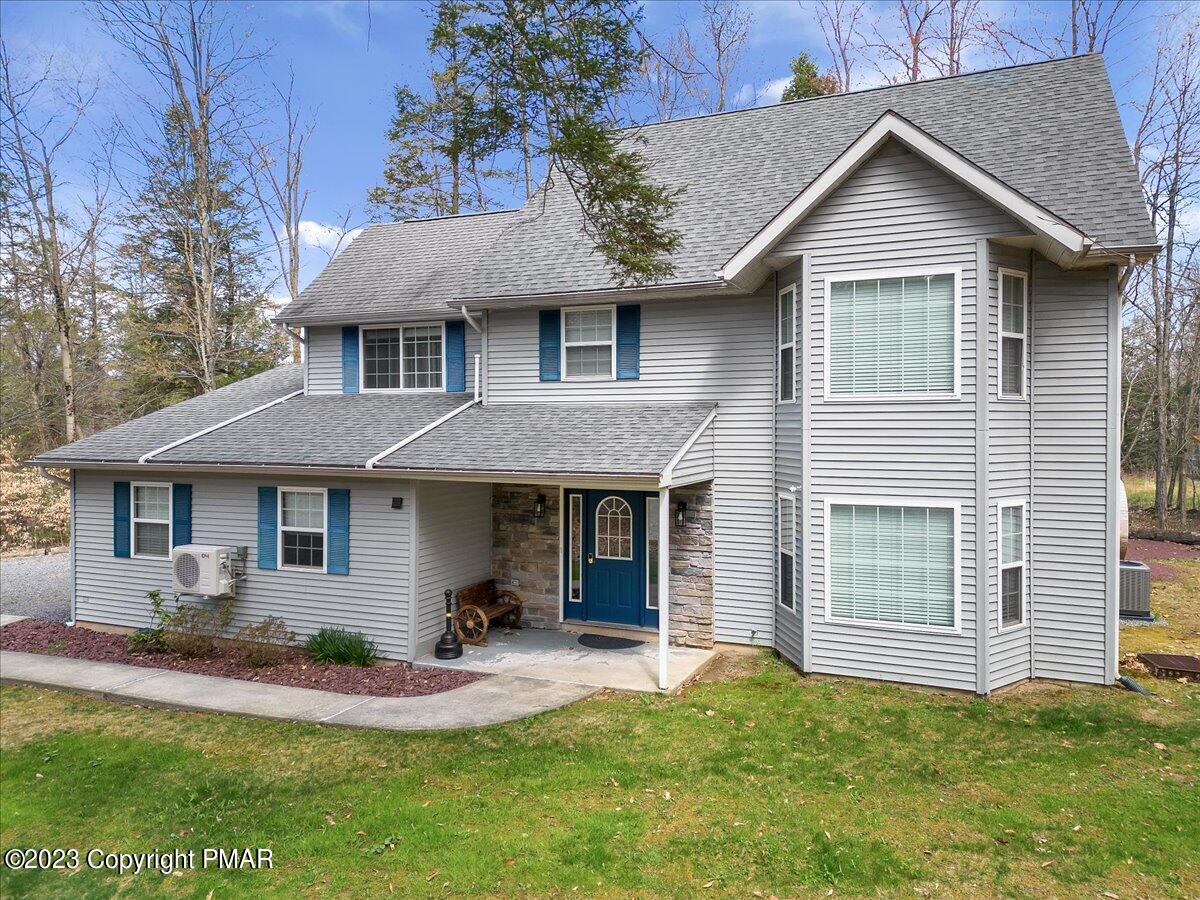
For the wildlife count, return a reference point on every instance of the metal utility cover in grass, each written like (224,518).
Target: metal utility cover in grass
(1172,665)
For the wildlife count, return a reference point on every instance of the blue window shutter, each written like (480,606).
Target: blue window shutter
(120,518)
(629,342)
(181,514)
(350,359)
(456,356)
(549,338)
(268,527)
(337,561)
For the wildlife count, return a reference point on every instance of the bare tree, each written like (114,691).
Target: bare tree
(724,29)
(914,20)
(38,143)
(840,21)
(960,27)
(194,52)
(665,77)
(1089,27)
(275,178)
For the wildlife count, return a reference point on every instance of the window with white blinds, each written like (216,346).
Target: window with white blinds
(1013,313)
(1012,564)
(892,337)
(893,564)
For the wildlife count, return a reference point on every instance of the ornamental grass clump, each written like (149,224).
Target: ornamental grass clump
(341,647)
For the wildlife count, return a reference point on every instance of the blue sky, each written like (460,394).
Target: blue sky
(347,56)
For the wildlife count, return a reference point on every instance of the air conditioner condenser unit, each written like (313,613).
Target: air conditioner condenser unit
(204,571)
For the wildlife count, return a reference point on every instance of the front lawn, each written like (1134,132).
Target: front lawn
(757,782)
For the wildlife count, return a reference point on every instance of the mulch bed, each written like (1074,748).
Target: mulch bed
(1152,553)
(393,680)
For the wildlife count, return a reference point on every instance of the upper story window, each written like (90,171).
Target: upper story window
(589,344)
(151,520)
(892,335)
(402,357)
(787,344)
(1014,308)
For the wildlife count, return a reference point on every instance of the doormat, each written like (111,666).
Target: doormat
(606,642)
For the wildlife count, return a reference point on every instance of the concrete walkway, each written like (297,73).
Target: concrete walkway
(497,698)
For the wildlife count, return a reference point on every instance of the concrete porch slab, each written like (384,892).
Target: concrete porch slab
(557,656)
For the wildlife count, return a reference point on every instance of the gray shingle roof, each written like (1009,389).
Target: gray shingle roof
(128,441)
(1050,130)
(333,430)
(567,438)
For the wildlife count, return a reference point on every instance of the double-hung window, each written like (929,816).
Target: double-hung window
(1014,309)
(151,520)
(787,551)
(302,518)
(787,344)
(589,344)
(402,357)
(892,336)
(892,564)
(1012,564)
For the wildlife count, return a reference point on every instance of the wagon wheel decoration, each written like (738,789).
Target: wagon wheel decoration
(471,624)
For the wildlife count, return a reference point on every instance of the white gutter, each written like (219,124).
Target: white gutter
(416,434)
(211,428)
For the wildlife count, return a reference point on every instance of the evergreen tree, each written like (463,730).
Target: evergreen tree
(807,81)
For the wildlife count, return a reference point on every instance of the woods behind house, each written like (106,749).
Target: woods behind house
(142,255)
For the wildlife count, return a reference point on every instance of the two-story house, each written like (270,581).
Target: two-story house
(871,420)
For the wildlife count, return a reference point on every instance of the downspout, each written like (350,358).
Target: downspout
(983,619)
(57,479)
(480,329)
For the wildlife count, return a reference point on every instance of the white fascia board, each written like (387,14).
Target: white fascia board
(669,471)
(891,125)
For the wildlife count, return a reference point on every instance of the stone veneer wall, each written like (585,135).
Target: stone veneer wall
(527,549)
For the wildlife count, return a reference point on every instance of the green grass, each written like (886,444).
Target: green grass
(759,782)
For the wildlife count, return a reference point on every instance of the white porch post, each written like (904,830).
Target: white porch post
(664,582)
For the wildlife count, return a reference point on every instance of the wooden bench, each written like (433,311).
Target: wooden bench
(480,605)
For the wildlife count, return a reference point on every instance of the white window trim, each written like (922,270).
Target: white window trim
(563,344)
(1023,335)
(1002,505)
(782,345)
(362,359)
(871,275)
(781,498)
(914,502)
(134,520)
(566,498)
(651,528)
(323,530)
(596,529)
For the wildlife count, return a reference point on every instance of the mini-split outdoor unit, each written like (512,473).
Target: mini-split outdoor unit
(203,570)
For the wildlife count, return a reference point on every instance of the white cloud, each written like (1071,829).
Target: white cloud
(772,91)
(320,236)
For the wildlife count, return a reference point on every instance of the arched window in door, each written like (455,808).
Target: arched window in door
(614,529)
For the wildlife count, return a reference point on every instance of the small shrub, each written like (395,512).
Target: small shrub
(335,645)
(145,640)
(265,644)
(192,631)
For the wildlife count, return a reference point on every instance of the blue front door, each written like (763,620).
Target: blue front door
(607,538)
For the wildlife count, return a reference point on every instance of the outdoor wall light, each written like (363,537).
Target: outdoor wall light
(680,509)
(539,506)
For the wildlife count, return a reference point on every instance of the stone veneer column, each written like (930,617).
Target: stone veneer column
(692,567)
(526,549)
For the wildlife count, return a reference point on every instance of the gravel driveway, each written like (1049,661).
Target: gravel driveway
(36,586)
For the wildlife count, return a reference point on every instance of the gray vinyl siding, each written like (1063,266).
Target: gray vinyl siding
(325,358)
(896,212)
(1072,517)
(698,463)
(703,349)
(1010,459)
(454,547)
(373,598)
(789,468)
